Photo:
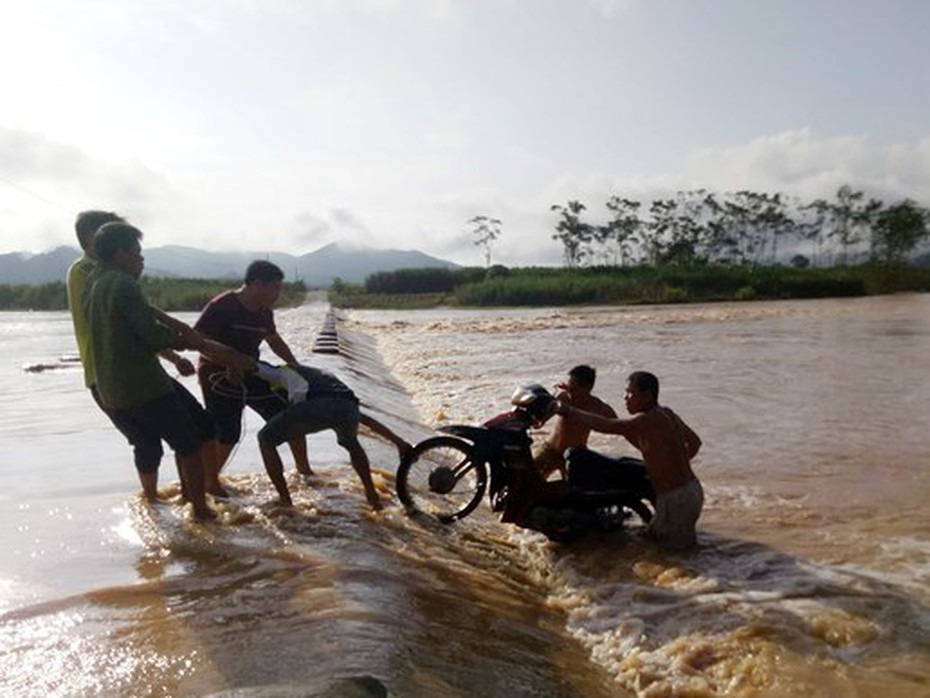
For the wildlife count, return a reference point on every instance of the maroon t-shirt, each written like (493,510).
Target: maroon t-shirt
(225,320)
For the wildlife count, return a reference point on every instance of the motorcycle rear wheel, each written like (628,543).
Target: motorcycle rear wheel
(641,510)
(440,477)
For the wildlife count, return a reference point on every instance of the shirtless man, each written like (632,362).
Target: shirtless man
(667,445)
(569,432)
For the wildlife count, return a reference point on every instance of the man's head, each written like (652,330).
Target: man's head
(263,281)
(88,222)
(642,392)
(117,244)
(581,378)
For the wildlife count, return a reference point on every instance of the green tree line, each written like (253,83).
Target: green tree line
(744,227)
(530,286)
(695,245)
(169,294)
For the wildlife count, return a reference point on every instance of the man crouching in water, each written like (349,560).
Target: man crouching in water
(667,445)
(318,401)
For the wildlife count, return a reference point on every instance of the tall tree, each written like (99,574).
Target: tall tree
(898,229)
(572,232)
(622,231)
(847,215)
(657,231)
(811,227)
(688,229)
(774,219)
(486,230)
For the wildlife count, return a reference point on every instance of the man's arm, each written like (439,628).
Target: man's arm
(192,339)
(169,321)
(183,365)
(607,425)
(382,430)
(280,348)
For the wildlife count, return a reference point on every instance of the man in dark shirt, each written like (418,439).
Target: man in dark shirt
(243,319)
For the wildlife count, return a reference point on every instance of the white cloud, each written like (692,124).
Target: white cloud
(794,162)
(45,182)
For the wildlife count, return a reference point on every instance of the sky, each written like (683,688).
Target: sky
(286,125)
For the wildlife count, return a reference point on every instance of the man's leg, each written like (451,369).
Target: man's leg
(214,455)
(177,464)
(149,483)
(382,430)
(269,405)
(275,469)
(299,450)
(363,468)
(188,428)
(227,417)
(147,451)
(191,468)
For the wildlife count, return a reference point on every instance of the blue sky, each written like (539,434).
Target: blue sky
(286,124)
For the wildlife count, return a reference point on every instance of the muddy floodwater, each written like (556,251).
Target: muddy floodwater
(812,576)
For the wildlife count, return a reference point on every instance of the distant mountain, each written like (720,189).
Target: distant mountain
(316,269)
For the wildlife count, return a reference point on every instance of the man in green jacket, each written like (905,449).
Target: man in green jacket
(125,336)
(85,226)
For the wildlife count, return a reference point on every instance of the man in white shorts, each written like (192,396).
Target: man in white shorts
(667,445)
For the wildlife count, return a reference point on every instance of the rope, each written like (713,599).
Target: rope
(222,386)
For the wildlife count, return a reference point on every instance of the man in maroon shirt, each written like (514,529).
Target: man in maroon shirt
(243,319)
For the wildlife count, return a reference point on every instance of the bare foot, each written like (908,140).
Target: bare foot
(219,492)
(305,470)
(204,514)
(375,501)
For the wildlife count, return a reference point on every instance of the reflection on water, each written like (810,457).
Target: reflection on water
(812,577)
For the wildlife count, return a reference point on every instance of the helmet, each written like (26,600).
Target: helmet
(533,398)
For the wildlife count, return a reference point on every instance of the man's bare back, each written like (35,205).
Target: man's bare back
(667,445)
(567,432)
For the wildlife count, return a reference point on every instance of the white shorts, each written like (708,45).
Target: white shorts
(677,513)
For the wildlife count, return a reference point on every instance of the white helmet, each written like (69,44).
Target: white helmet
(533,398)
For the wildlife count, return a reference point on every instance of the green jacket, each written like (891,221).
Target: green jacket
(78,273)
(125,339)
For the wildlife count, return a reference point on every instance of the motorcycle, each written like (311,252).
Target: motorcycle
(447,476)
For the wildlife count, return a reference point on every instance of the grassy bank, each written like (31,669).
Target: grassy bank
(536,286)
(172,295)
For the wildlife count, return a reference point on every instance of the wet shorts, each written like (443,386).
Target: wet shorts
(676,514)
(225,401)
(176,418)
(310,416)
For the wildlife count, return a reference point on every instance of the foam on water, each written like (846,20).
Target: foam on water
(738,616)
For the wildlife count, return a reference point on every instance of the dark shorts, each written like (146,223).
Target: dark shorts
(225,401)
(590,470)
(310,416)
(176,418)
(146,455)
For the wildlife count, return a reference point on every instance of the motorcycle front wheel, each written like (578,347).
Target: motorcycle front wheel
(440,477)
